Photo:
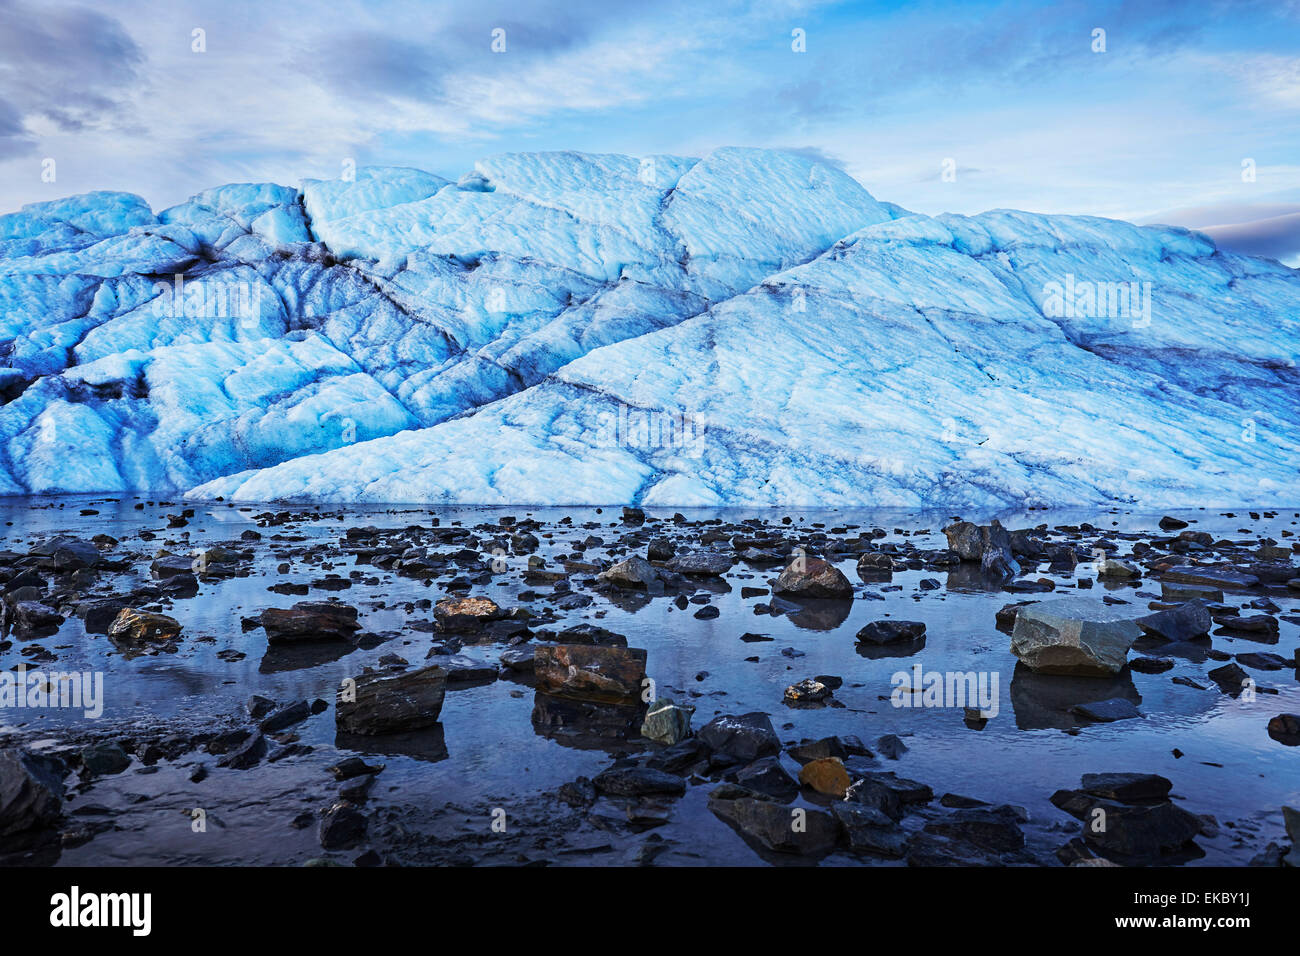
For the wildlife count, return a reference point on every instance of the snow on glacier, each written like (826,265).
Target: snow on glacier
(752,327)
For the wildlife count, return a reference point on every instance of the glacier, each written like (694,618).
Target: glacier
(748,328)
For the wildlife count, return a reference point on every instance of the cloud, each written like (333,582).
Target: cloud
(72,66)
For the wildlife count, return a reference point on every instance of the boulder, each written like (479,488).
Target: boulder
(143,627)
(310,621)
(888,631)
(701,564)
(1076,635)
(465,615)
(744,738)
(1183,623)
(591,672)
(777,827)
(31,791)
(383,704)
(813,578)
(768,778)
(666,722)
(634,573)
(826,776)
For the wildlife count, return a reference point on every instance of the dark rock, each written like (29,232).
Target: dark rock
(890,631)
(745,737)
(310,621)
(390,704)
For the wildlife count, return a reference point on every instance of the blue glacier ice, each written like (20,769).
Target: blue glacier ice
(752,327)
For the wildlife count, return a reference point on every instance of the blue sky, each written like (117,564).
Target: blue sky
(1155,128)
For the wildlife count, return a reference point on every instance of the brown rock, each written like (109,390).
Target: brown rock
(143,627)
(591,672)
(827,776)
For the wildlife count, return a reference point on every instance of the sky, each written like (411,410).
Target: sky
(1182,113)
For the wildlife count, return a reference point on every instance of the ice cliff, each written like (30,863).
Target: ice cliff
(748,328)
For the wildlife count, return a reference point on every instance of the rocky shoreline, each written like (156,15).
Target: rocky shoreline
(321,686)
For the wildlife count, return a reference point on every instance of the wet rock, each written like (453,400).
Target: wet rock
(776,827)
(868,830)
(1151,665)
(701,564)
(462,669)
(1076,635)
(33,618)
(383,704)
(1285,729)
(768,778)
(812,578)
(104,758)
(744,738)
(1121,570)
(31,791)
(342,825)
(465,615)
(1127,787)
(889,631)
(639,781)
(612,675)
(807,691)
(966,539)
(1183,623)
(827,776)
(286,717)
(1230,678)
(1265,662)
(1226,579)
(1168,523)
(891,747)
(259,706)
(518,659)
(351,767)
(666,722)
(842,747)
(246,755)
(135,627)
(66,553)
(875,564)
(1107,711)
(310,621)
(634,573)
(996,829)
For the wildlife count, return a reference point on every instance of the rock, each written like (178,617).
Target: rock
(1252,624)
(666,722)
(1183,623)
(1005,618)
(994,828)
(813,578)
(1230,678)
(660,549)
(518,659)
(462,669)
(389,704)
(827,776)
(701,564)
(638,781)
(97,616)
(33,617)
(31,791)
(310,621)
(1107,568)
(807,691)
(890,631)
(745,738)
(1127,787)
(776,827)
(143,627)
(869,830)
(1107,711)
(841,747)
(634,573)
(903,790)
(875,563)
(1261,660)
(1076,635)
(465,615)
(612,675)
(342,826)
(259,706)
(286,717)
(768,778)
(891,747)
(1291,820)
(350,767)
(1285,729)
(966,539)
(66,553)
(1168,523)
(247,754)
(1226,579)
(104,758)
(1141,832)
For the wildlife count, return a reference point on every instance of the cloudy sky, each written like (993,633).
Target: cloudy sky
(1190,114)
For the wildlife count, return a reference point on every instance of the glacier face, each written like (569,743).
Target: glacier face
(748,328)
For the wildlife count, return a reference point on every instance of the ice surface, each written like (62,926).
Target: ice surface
(752,327)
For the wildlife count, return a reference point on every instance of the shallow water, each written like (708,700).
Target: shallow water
(443,786)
